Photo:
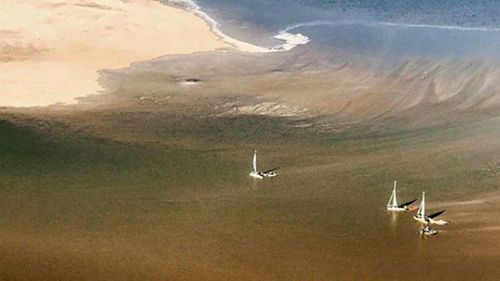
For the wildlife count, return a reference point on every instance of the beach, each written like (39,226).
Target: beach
(51,51)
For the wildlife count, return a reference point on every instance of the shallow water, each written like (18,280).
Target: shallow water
(195,214)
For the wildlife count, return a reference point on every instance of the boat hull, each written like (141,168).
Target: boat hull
(428,232)
(396,209)
(256,175)
(259,175)
(438,222)
(431,221)
(419,219)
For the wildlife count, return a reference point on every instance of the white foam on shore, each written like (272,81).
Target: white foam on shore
(293,40)
(290,40)
(193,7)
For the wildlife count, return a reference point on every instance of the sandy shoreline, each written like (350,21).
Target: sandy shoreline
(51,51)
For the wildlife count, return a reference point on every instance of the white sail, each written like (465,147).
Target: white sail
(421,208)
(393,202)
(389,204)
(255,161)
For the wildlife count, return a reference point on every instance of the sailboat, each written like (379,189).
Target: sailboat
(393,206)
(430,219)
(427,231)
(260,175)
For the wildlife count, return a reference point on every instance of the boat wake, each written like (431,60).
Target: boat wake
(486,228)
(388,24)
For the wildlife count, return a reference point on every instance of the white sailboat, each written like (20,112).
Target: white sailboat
(393,206)
(260,175)
(430,219)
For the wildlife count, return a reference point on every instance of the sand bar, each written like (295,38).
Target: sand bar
(51,50)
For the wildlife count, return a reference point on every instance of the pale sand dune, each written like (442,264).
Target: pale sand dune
(51,51)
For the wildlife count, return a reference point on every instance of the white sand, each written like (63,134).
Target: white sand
(51,50)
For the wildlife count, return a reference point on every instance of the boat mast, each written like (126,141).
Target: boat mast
(421,208)
(395,201)
(255,161)
(423,204)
